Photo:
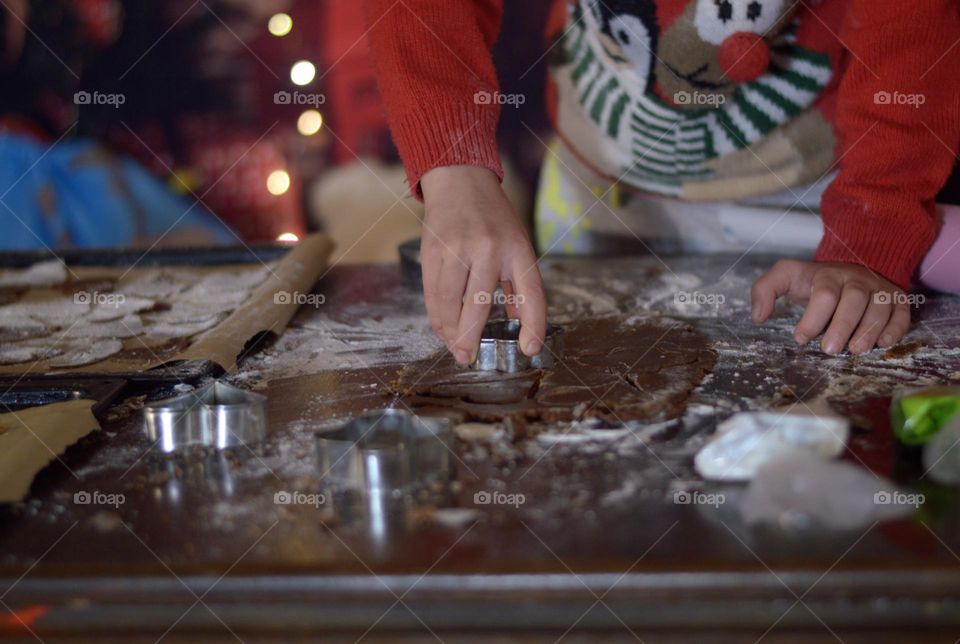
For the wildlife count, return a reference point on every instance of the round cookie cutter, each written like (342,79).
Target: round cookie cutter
(500,348)
(217,415)
(386,452)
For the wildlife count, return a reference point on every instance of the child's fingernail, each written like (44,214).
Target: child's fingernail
(831,346)
(532,347)
(885,341)
(462,356)
(800,338)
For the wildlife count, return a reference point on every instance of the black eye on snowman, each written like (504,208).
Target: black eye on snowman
(724,10)
(623,37)
(716,20)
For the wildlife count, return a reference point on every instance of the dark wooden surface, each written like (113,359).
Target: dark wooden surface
(599,541)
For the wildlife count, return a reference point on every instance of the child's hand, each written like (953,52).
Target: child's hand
(472,239)
(865,309)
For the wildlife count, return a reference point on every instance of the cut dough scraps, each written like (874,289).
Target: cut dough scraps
(168,330)
(120,308)
(78,354)
(26,352)
(244,280)
(13,329)
(48,273)
(159,285)
(57,311)
(126,327)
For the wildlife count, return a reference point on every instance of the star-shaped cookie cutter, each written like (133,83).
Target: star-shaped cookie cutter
(500,348)
(217,415)
(385,452)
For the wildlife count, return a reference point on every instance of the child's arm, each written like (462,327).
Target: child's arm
(898,121)
(437,79)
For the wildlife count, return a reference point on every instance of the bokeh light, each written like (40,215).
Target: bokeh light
(310,122)
(278,182)
(303,72)
(280,24)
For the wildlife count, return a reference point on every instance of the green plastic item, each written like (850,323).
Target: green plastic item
(917,416)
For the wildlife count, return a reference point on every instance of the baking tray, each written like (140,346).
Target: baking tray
(179,371)
(19,394)
(172,256)
(188,372)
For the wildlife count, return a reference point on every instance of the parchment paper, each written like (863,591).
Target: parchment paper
(30,438)
(295,273)
(270,308)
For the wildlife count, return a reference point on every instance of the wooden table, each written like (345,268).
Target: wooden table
(199,548)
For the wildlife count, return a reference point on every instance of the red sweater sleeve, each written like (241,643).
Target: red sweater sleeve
(436,76)
(898,126)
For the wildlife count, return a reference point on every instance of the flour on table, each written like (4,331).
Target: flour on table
(688,295)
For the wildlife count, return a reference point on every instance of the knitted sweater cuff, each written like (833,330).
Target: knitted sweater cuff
(890,237)
(436,135)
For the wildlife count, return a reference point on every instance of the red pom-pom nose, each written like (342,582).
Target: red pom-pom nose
(743,56)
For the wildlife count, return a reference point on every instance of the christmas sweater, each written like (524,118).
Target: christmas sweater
(707,100)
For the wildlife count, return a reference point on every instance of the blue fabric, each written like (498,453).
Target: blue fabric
(75,194)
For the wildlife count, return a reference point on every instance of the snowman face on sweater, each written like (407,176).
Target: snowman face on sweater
(717,20)
(689,51)
(713,46)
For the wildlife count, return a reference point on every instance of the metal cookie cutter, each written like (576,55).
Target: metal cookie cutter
(217,415)
(500,348)
(386,452)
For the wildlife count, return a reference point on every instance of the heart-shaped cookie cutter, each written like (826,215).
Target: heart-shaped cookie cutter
(217,415)
(386,452)
(500,348)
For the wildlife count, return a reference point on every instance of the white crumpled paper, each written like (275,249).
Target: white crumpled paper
(748,440)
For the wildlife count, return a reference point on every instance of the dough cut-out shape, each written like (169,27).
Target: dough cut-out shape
(81,354)
(41,274)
